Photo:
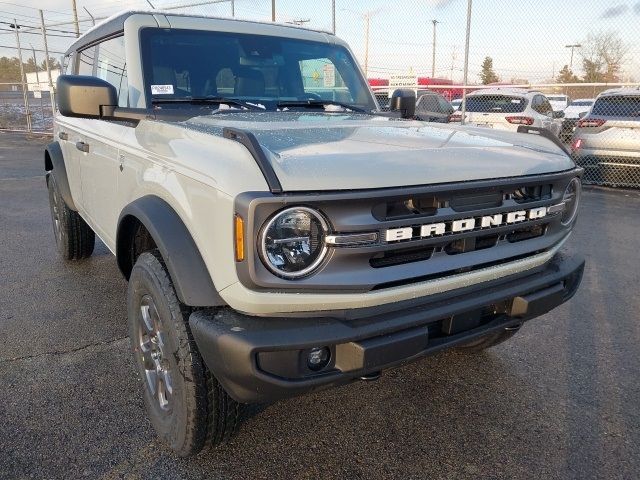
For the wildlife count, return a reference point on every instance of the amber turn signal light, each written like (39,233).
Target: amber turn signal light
(239,237)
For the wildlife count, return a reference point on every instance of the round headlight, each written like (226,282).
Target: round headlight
(571,200)
(292,242)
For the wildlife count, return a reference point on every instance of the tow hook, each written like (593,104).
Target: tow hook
(370,377)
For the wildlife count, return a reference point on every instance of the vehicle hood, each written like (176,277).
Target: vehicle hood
(320,151)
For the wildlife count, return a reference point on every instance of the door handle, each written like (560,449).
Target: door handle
(63,136)
(83,147)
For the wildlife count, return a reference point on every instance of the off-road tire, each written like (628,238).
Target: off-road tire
(199,410)
(486,341)
(74,238)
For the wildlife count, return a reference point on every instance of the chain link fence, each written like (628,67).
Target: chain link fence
(571,69)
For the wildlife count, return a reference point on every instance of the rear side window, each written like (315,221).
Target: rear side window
(111,67)
(622,106)
(86,61)
(496,103)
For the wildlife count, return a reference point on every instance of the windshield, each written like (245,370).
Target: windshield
(496,103)
(617,106)
(251,69)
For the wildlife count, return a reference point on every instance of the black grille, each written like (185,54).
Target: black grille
(401,256)
(430,205)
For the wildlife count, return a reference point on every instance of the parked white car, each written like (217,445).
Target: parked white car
(456,103)
(558,102)
(508,109)
(576,110)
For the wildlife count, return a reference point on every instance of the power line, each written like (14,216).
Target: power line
(37,33)
(13,47)
(37,27)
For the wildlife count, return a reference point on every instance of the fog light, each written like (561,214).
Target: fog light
(318,358)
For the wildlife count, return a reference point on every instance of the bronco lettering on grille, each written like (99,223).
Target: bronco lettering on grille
(464,225)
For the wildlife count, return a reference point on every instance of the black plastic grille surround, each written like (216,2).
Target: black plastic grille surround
(374,266)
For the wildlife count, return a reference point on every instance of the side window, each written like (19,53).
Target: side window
(67,64)
(427,103)
(86,61)
(111,67)
(545,107)
(536,104)
(445,107)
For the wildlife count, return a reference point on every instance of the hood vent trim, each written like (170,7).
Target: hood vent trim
(251,143)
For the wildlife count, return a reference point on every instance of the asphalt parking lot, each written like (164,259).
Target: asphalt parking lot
(560,400)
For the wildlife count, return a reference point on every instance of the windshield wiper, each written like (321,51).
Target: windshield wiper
(312,103)
(207,101)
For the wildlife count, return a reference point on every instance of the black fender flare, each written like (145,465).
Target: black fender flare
(179,251)
(54,165)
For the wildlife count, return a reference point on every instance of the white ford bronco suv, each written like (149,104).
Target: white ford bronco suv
(281,234)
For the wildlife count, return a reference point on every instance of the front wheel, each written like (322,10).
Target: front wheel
(186,404)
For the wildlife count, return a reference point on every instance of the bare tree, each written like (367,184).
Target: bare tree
(603,54)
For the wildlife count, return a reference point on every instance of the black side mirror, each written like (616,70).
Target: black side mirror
(85,96)
(558,114)
(404,101)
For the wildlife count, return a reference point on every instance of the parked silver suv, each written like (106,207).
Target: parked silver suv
(607,140)
(280,234)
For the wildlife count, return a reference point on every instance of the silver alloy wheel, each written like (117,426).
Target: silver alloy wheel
(55,213)
(154,352)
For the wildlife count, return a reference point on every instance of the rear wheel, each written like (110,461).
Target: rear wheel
(74,238)
(487,341)
(186,404)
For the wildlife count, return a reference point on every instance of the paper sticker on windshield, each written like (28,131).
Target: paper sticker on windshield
(161,89)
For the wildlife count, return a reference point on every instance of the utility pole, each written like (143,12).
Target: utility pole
(75,17)
(35,62)
(233,8)
(453,61)
(46,60)
(466,63)
(273,10)
(433,61)
(93,20)
(575,45)
(333,16)
(23,77)
(367,18)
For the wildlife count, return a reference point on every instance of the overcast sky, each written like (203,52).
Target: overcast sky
(526,39)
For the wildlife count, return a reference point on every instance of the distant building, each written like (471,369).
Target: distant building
(41,80)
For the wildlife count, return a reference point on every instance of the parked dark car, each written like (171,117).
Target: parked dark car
(430,106)
(433,107)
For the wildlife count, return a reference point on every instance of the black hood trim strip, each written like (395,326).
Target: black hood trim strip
(251,143)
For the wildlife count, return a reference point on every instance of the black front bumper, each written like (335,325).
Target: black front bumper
(259,359)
